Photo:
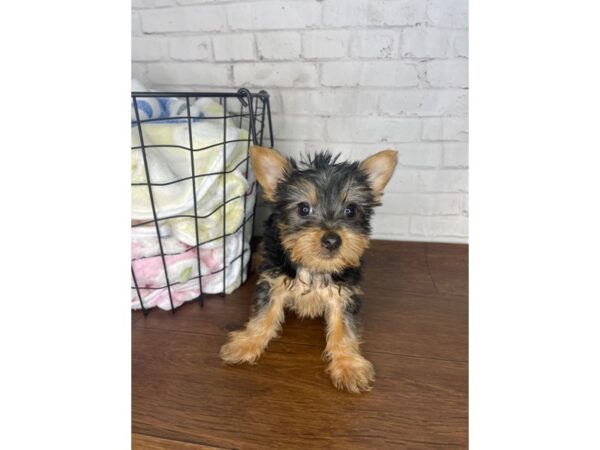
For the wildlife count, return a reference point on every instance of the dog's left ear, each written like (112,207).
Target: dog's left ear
(380,167)
(270,168)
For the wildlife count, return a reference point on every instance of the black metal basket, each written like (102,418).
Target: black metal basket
(249,116)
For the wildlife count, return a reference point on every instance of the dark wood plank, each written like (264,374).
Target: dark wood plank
(144,442)
(182,391)
(394,267)
(449,267)
(135,316)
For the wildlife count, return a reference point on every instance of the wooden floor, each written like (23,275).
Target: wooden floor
(415,333)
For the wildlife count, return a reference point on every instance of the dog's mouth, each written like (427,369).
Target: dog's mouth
(329,254)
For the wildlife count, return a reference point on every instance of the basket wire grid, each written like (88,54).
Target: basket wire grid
(255,117)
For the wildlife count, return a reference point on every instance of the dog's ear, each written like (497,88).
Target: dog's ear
(380,167)
(270,168)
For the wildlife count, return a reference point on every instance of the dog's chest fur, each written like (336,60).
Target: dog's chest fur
(309,294)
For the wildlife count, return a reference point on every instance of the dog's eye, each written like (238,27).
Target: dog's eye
(350,211)
(303,209)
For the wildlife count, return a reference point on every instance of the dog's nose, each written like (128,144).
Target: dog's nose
(331,240)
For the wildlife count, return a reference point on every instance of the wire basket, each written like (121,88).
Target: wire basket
(193,193)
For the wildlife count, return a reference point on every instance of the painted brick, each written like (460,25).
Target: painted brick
(193,2)
(234,47)
(147,48)
(424,102)
(138,71)
(273,15)
(278,45)
(292,148)
(396,12)
(434,226)
(421,155)
(389,73)
(325,44)
(386,225)
(345,12)
(343,73)
(139,4)
(403,181)
(423,42)
(375,44)
(443,181)
(202,74)
(421,204)
(448,73)
(446,129)
(330,102)
(190,48)
(136,23)
(371,129)
(369,73)
(448,13)
(456,155)
(298,127)
(461,43)
(275,74)
(202,18)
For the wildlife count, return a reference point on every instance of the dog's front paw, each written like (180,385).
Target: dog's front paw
(353,373)
(241,348)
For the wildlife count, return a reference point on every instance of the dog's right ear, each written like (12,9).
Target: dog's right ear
(270,168)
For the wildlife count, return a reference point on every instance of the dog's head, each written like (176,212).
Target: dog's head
(324,206)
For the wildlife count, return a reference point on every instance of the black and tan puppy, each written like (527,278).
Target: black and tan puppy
(313,245)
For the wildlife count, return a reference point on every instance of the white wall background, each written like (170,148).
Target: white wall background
(353,76)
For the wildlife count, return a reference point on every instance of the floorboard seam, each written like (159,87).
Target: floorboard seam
(185,441)
(429,271)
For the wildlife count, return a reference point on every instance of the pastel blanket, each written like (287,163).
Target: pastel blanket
(169,164)
(182,269)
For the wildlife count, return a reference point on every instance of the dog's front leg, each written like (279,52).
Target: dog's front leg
(248,344)
(348,369)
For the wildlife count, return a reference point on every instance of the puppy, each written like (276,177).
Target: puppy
(312,255)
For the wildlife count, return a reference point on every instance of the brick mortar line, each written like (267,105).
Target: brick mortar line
(324,88)
(306,29)
(411,60)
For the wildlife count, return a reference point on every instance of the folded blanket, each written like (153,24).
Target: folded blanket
(144,242)
(211,210)
(236,186)
(182,270)
(167,165)
(181,293)
(180,259)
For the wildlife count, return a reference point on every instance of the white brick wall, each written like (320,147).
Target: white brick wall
(353,76)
